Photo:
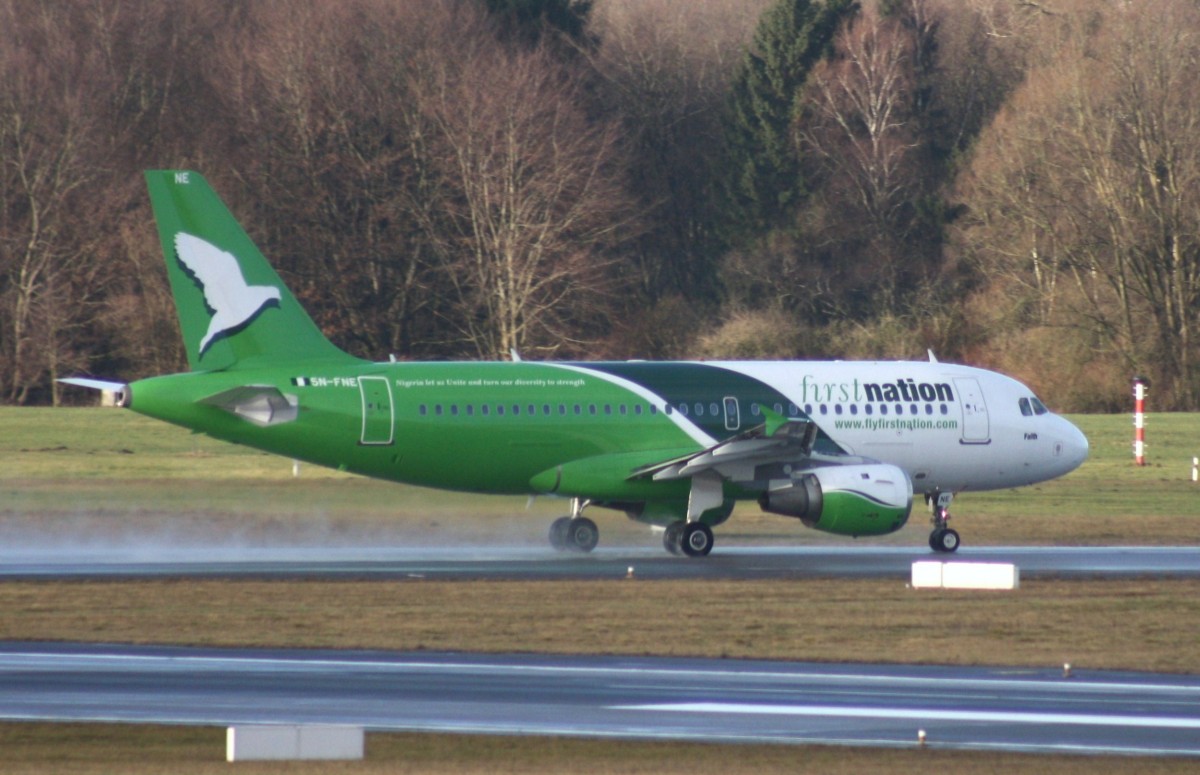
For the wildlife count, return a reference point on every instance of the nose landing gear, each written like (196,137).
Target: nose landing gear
(943,539)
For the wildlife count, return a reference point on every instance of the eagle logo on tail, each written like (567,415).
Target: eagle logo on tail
(233,302)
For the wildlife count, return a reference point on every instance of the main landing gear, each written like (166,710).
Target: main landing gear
(942,539)
(695,539)
(575,533)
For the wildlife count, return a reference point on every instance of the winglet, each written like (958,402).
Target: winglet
(774,420)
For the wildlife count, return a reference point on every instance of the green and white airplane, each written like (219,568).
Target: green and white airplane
(841,446)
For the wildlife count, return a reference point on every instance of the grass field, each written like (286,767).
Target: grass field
(77,476)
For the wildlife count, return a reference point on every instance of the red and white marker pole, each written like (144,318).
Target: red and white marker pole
(1139,420)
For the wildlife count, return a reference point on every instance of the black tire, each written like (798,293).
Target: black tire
(558,533)
(947,541)
(671,538)
(582,535)
(935,538)
(696,539)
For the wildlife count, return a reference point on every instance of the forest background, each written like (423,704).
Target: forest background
(1010,183)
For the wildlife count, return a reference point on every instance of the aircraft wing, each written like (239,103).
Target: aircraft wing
(778,440)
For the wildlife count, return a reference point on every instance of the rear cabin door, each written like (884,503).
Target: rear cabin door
(378,417)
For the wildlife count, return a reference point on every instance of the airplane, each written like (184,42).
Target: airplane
(844,447)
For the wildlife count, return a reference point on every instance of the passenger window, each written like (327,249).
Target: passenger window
(824,409)
(485,410)
(424,410)
(754,409)
(546,409)
(683,409)
(837,408)
(699,409)
(499,408)
(578,409)
(608,408)
(854,409)
(637,408)
(592,409)
(438,410)
(714,410)
(562,408)
(454,409)
(869,409)
(470,410)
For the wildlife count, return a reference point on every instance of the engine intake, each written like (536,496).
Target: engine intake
(857,500)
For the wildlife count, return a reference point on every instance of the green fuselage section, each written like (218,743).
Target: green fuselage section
(483,427)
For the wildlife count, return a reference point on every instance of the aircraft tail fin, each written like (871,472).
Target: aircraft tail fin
(232,306)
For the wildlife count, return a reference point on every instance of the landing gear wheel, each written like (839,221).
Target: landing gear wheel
(558,533)
(696,539)
(944,540)
(582,535)
(672,536)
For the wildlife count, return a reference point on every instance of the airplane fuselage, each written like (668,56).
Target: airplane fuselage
(494,427)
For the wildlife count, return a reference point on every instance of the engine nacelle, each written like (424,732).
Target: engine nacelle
(857,500)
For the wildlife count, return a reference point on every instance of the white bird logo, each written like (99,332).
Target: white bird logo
(233,302)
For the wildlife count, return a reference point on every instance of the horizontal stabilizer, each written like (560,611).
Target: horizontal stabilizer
(262,405)
(94,384)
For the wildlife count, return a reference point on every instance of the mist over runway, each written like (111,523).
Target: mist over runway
(120,560)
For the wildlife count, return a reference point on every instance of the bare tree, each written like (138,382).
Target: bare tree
(335,151)
(534,204)
(860,114)
(859,125)
(1092,179)
(46,125)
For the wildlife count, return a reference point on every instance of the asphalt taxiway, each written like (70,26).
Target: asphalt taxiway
(118,561)
(615,697)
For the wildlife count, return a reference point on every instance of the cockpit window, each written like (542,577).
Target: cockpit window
(1031,406)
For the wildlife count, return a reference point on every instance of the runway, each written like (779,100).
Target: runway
(123,561)
(616,697)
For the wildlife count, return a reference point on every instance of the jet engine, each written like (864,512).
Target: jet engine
(854,500)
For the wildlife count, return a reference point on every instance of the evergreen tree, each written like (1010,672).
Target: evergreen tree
(527,21)
(763,182)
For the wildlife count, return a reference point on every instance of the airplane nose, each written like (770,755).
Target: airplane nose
(1074,446)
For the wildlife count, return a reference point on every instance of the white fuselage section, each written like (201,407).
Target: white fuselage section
(950,428)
